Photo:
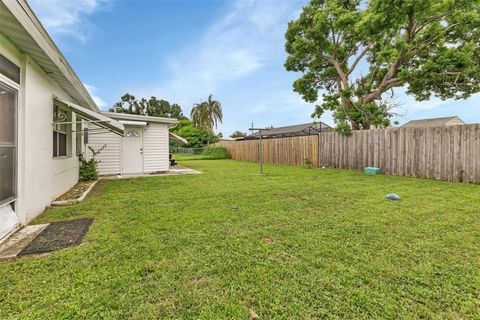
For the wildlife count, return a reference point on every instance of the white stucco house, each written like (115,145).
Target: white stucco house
(47,118)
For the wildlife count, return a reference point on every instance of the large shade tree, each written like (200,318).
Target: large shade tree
(238,134)
(195,137)
(356,53)
(147,107)
(207,114)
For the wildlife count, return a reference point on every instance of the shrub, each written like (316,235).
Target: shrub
(216,153)
(88,168)
(308,162)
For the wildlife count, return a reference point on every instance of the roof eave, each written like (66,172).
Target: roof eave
(33,39)
(171,122)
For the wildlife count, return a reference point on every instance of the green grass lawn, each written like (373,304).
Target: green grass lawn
(303,244)
(190,156)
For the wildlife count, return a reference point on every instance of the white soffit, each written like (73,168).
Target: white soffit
(19,24)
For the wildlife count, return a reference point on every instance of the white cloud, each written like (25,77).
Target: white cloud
(243,41)
(102,104)
(66,17)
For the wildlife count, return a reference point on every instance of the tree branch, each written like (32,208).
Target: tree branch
(357,60)
(342,75)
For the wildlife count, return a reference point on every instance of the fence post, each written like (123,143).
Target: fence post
(319,152)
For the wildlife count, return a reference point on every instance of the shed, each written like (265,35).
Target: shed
(143,149)
(434,122)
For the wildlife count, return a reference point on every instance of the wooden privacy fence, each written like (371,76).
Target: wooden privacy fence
(449,153)
(286,151)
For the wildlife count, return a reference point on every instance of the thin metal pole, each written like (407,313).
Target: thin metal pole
(260,153)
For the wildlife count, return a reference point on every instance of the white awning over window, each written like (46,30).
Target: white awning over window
(133,123)
(95,117)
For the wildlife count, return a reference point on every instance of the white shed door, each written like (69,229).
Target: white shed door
(132,150)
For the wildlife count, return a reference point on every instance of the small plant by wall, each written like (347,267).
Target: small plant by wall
(89,168)
(308,162)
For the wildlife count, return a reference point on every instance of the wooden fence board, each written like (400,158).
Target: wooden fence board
(445,153)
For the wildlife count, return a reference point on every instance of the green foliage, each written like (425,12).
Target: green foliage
(308,162)
(216,153)
(206,114)
(238,134)
(147,107)
(428,46)
(326,241)
(196,138)
(89,168)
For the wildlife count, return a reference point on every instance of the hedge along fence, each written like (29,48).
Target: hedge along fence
(449,153)
(285,151)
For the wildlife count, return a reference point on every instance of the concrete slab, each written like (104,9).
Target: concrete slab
(10,247)
(170,172)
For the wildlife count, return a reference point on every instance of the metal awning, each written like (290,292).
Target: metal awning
(95,117)
(173,137)
(133,123)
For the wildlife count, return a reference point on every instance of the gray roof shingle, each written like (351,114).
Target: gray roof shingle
(291,131)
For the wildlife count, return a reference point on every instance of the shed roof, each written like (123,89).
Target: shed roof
(126,116)
(176,138)
(434,122)
(304,129)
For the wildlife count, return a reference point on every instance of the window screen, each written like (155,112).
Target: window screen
(9,69)
(60,131)
(78,136)
(8,144)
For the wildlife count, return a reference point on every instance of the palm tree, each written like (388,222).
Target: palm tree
(207,114)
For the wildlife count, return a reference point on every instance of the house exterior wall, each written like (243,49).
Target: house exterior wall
(155,148)
(110,159)
(40,177)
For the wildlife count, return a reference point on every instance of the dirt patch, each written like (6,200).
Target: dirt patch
(296,198)
(76,191)
(268,240)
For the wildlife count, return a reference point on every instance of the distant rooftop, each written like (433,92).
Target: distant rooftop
(304,129)
(434,122)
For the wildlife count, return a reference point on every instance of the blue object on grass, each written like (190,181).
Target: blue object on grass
(393,196)
(371,170)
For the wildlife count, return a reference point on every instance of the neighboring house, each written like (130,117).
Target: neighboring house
(144,149)
(305,129)
(434,122)
(43,110)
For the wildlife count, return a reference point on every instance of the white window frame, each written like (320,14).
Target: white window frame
(58,130)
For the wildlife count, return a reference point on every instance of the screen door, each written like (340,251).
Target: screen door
(8,144)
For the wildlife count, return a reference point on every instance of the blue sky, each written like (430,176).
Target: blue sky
(182,51)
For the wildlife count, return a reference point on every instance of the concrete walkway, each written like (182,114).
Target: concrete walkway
(12,245)
(177,170)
